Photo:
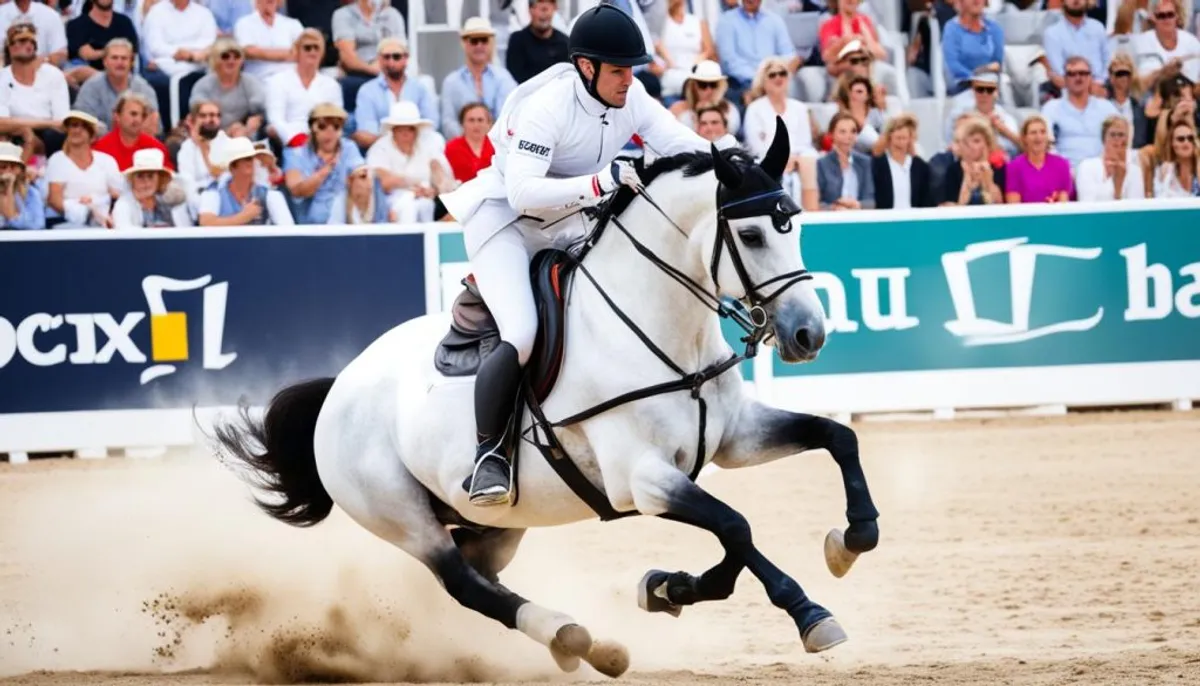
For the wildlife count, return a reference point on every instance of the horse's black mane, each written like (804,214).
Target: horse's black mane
(692,164)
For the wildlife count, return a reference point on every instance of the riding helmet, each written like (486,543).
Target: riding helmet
(606,34)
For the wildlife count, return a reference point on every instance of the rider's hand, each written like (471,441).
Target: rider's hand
(620,172)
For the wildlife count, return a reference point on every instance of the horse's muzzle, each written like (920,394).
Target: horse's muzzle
(799,337)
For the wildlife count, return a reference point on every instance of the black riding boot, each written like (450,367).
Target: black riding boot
(496,387)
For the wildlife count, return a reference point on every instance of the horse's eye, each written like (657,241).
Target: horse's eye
(751,238)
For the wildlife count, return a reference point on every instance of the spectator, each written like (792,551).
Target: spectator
(711,123)
(848,25)
(1076,35)
(971,41)
(684,42)
(242,98)
(1124,37)
(177,35)
(974,180)
(129,131)
(983,100)
(1166,49)
(769,99)
(145,204)
(393,84)
(1170,95)
(899,175)
(316,173)
(746,36)
(21,205)
(292,94)
(473,150)
(857,96)
(267,37)
(99,94)
(844,175)
(237,199)
(317,14)
(1076,118)
(228,13)
(706,86)
(1123,90)
(364,201)
(34,92)
(200,155)
(477,81)
(82,182)
(1037,175)
(89,34)
(1114,175)
(358,29)
(1178,175)
(1151,156)
(919,56)
(48,28)
(266,169)
(410,163)
(537,46)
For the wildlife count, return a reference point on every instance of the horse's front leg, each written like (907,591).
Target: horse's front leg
(762,434)
(659,489)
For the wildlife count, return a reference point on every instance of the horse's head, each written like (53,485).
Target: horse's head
(756,255)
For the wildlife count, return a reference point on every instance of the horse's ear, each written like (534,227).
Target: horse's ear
(776,158)
(729,175)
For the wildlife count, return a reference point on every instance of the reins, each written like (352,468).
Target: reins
(753,321)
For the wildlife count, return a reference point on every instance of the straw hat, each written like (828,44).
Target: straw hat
(263,148)
(10,152)
(404,113)
(150,160)
(239,148)
(477,26)
(707,71)
(327,110)
(850,48)
(86,118)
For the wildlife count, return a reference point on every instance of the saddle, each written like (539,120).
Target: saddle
(473,332)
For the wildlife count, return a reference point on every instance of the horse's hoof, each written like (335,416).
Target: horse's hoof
(609,658)
(824,635)
(837,557)
(652,593)
(567,663)
(571,640)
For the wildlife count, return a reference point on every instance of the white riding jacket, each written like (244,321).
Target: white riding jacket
(551,139)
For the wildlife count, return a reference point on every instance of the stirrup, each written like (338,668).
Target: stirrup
(496,494)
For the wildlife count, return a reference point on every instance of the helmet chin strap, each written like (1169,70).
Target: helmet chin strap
(591,83)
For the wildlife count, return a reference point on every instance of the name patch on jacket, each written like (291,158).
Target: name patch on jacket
(533,148)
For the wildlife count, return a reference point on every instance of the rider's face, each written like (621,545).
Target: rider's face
(613,84)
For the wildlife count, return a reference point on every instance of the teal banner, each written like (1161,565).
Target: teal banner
(1062,288)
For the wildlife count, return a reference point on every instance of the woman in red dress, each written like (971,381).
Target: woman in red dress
(472,151)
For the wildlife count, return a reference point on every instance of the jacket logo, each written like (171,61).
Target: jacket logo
(534,148)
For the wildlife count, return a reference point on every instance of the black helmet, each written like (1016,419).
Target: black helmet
(606,34)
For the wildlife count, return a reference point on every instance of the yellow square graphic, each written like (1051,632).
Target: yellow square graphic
(168,337)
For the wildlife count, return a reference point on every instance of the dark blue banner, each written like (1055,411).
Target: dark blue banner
(174,322)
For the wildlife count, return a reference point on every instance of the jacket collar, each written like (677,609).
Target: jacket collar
(590,105)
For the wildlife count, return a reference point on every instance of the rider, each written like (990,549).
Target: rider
(556,141)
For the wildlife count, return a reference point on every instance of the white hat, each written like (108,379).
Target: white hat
(850,48)
(476,26)
(239,148)
(85,117)
(11,152)
(707,71)
(404,113)
(149,159)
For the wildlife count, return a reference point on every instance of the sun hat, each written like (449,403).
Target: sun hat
(85,117)
(327,110)
(476,26)
(850,48)
(404,113)
(239,148)
(707,71)
(11,152)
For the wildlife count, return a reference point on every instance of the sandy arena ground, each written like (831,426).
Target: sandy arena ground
(1014,551)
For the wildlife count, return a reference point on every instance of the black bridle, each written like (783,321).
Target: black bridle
(752,319)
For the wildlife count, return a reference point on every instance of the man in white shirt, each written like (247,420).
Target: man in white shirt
(292,93)
(200,156)
(35,93)
(982,99)
(178,34)
(267,38)
(50,28)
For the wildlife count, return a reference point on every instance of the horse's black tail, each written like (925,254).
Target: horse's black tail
(287,467)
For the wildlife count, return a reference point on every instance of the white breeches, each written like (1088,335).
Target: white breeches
(501,269)
(409,208)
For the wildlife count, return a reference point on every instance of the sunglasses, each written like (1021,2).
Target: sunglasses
(75,124)
(478,40)
(1185,138)
(985,90)
(231,55)
(705,85)
(310,47)
(859,60)
(1079,74)
(394,56)
(327,124)
(1164,15)
(776,74)
(1122,73)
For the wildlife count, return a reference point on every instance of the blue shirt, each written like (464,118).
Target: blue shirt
(744,41)
(458,89)
(31,212)
(1076,132)
(375,99)
(965,51)
(227,12)
(316,209)
(1089,41)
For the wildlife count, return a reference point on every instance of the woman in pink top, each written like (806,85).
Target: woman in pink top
(1038,175)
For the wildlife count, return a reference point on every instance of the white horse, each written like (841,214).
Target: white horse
(390,440)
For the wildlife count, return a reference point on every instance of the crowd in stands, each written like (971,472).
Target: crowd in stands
(153,113)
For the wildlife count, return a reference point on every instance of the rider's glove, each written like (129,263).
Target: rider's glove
(620,172)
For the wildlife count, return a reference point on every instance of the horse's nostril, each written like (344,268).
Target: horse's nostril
(803,339)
